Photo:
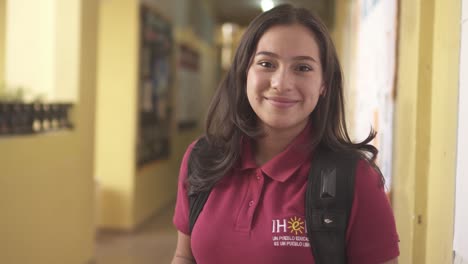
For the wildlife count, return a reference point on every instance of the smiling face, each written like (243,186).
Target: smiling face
(284,80)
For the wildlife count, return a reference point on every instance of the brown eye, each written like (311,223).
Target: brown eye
(265,64)
(304,68)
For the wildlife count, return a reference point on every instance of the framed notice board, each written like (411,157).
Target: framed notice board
(155,80)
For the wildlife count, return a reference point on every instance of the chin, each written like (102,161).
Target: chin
(293,122)
(282,125)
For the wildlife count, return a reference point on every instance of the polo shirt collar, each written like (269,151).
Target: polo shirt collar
(285,164)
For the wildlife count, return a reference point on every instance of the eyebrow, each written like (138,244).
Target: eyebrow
(274,55)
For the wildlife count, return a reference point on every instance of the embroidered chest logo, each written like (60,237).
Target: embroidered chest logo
(289,232)
(296,225)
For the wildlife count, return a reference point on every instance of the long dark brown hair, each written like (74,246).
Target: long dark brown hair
(230,116)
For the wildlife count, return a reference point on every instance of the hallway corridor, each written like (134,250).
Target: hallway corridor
(99,101)
(153,243)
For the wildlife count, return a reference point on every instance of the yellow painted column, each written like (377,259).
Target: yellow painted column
(116,112)
(405,126)
(423,122)
(443,129)
(425,129)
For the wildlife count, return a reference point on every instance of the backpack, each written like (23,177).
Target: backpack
(328,202)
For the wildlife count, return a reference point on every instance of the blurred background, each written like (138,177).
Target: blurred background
(100,98)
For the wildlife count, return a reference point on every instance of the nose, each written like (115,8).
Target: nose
(282,81)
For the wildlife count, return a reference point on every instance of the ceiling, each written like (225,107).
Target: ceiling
(243,11)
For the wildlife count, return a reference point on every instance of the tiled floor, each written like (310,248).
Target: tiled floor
(153,243)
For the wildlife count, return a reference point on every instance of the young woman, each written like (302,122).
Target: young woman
(281,100)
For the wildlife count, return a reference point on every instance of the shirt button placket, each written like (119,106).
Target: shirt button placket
(255,191)
(258,190)
(259,176)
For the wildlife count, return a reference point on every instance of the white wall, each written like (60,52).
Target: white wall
(374,81)
(42,48)
(67,50)
(460,243)
(30,45)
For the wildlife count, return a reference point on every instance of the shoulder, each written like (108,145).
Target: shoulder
(187,156)
(368,176)
(371,236)
(194,146)
(188,152)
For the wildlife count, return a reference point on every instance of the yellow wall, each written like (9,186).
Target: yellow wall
(156,184)
(425,121)
(442,158)
(46,181)
(405,126)
(130,195)
(425,129)
(116,116)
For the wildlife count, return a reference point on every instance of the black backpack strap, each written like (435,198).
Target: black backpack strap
(329,198)
(196,200)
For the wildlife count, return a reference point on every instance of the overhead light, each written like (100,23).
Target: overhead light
(267,5)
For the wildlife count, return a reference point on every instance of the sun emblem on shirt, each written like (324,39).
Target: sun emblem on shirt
(296,225)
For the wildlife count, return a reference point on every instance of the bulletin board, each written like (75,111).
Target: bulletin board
(375,78)
(189,90)
(155,79)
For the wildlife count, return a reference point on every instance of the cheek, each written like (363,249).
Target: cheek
(257,79)
(253,98)
(250,91)
(252,87)
(312,93)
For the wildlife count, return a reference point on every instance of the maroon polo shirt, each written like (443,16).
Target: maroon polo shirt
(256,214)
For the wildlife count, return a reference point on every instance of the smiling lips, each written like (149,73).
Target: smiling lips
(281,102)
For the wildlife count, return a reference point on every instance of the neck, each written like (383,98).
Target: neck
(273,143)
